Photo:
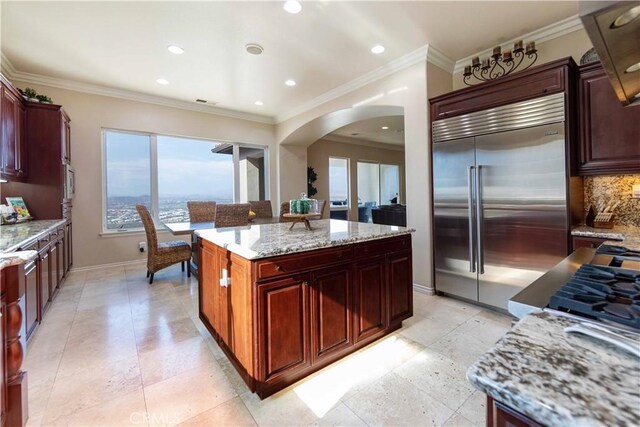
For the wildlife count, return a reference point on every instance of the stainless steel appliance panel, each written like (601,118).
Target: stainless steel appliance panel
(454,246)
(521,209)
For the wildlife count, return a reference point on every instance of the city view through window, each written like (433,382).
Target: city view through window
(183,170)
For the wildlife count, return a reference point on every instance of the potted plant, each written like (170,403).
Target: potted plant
(30,94)
(45,99)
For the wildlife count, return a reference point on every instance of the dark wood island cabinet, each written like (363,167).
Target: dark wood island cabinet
(280,318)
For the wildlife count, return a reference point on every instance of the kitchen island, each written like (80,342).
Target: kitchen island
(284,303)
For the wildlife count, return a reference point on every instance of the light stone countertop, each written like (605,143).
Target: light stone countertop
(560,379)
(267,240)
(620,235)
(16,258)
(13,236)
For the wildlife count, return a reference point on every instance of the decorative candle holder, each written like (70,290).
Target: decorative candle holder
(500,64)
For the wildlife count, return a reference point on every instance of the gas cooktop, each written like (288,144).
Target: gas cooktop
(602,292)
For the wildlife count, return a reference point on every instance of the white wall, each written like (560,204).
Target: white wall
(89,114)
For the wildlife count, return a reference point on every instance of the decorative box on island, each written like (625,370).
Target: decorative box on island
(304,206)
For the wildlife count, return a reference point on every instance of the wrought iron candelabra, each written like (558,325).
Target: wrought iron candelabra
(500,63)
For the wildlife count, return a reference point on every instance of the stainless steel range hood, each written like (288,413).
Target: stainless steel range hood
(614,30)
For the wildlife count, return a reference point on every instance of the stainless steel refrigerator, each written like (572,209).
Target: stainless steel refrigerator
(500,199)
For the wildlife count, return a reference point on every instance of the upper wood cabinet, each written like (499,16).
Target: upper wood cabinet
(13,159)
(609,133)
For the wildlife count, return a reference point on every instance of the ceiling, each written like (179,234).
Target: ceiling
(371,130)
(122,45)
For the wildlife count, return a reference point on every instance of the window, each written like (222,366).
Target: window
(164,172)
(338,181)
(377,184)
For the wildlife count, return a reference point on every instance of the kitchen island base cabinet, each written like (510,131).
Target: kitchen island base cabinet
(282,318)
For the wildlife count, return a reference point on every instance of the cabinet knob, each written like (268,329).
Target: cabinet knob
(278,268)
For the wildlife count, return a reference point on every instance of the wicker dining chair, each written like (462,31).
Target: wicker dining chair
(262,208)
(285,209)
(232,215)
(323,203)
(162,255)
(202,211)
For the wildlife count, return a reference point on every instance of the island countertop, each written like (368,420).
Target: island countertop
(14,236)
(557,378)
(268,240)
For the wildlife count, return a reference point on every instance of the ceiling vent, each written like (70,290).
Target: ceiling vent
(254,49)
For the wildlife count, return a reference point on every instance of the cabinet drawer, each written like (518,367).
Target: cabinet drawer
(528,84)
(381,247)
(295,263)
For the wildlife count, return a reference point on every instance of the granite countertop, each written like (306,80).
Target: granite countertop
(560,379)
(267,240)
(16,258)
(621,235)
(13,236)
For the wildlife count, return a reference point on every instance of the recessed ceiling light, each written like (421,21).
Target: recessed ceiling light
(175,49)
(259,103)
(292,6)
(377,49)
(290,82)
(630,15)
(385,127)
(162,81)
(633,68)
(254,49)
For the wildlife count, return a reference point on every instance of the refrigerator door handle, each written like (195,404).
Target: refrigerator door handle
(472,260)
(479,220)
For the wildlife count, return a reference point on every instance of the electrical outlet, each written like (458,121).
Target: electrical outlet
(142,246)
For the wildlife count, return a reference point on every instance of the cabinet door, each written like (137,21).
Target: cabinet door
(283,316)
(370,298)
(66,139)
(31,281)
(400,279)
(330,311)
(587,242)
(45,283)
(209,299)
(10,134)
(609,132)
(3,368)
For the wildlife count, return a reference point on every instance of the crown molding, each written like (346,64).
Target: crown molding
(12,74)
(541,35)
(412,58)
(355,141)
(439,59)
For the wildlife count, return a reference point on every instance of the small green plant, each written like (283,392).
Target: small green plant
(30,93)
(43,98)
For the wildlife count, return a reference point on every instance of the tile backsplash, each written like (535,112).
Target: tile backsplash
(618,187)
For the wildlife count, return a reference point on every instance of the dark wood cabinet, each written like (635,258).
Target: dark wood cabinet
(283,313)
(44,290)
(609,132)
(500,415)
(279,319)
(400,304)
(331,311)
(3,362)
(31,285)
(370,299)
(13,164)
(586,242)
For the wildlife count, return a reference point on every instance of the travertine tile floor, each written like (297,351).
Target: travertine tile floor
(114,350)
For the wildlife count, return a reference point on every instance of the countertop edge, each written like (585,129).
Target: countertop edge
(34,237)
(16,258)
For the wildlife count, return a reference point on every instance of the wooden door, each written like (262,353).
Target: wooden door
(400,281)
(66,138)
(609,132)
(223,303)
(11,132)
(31,281)
(240,314)
(331,293)
(48,271)
(370,298)
(209,284)
(283,316)
(3,362)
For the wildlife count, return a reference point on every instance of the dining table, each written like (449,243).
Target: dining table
(189,228)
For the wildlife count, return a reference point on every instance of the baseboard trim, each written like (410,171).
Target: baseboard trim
(423,289)
(111,265)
